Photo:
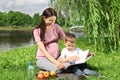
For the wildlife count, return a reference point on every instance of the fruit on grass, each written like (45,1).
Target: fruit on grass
(46,74)
(41,72)
(53,73)
(40,76)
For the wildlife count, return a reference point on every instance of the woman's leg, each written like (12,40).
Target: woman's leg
(45,64)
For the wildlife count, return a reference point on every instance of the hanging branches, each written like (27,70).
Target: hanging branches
(101,19)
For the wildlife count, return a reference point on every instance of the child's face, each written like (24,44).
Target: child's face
(70,45)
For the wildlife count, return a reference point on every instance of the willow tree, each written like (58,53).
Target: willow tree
(101,19)
(68,13)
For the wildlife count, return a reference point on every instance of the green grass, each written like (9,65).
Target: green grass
(14,63)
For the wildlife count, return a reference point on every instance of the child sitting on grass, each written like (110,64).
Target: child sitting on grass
(69,54)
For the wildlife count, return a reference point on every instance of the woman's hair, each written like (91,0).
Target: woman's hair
(69,37)
(46,13)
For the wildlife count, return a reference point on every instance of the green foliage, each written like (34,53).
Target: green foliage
(100,18)
(68,12)
(102,21)
(16,19)
(3,19)
(36,19)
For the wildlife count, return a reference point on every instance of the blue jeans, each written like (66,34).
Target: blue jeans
(86,71)
(81,69)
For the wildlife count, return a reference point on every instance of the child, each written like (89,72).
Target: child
(69,55)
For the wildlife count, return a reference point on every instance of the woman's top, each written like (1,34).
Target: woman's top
(50,40)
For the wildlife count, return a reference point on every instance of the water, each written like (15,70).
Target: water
(15,38)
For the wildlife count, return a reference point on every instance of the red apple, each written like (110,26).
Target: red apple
(41,72)
(40,76)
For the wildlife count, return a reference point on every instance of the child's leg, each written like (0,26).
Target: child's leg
(77,71)
(85,68)
(90,72)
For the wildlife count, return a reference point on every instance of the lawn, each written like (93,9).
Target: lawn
(14,63)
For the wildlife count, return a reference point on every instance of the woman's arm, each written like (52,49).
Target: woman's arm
(45,52)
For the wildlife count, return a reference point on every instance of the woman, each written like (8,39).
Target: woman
(46,35)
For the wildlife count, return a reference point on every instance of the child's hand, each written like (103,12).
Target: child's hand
(62,60)
(74,58)
(91,54)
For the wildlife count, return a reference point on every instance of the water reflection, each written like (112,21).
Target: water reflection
(15,38)
(18,38)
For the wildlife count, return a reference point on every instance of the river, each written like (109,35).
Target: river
(15,38)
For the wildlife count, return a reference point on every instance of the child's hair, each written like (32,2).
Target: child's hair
(69,37)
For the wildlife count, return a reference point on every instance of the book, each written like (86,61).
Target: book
(83,55)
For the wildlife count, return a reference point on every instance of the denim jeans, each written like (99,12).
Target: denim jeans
(77,71)
(86,71)
(81,69)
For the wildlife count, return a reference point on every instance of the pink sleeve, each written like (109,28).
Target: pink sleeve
(60,31)
(36,34)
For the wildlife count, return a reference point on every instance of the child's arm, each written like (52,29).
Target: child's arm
(68,59)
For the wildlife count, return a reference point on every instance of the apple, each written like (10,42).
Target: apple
(46,74)
(41,72)
(37,77)
(53,73)
(40,76)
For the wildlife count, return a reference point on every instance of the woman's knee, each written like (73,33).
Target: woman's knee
(46,65)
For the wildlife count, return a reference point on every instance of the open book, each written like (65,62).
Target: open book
(83,55)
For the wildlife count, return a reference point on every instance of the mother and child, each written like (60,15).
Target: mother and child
(46,36)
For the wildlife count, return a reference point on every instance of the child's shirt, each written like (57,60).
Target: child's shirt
(66,53)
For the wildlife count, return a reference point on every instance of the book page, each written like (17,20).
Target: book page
(83,56)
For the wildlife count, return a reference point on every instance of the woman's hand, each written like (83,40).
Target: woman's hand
(60,65)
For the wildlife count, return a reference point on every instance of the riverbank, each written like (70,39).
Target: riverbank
(16,28)
(30,28)
(14,62)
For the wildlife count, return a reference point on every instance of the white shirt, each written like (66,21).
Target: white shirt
(67,53)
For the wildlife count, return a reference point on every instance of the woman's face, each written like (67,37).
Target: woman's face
(50,20)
